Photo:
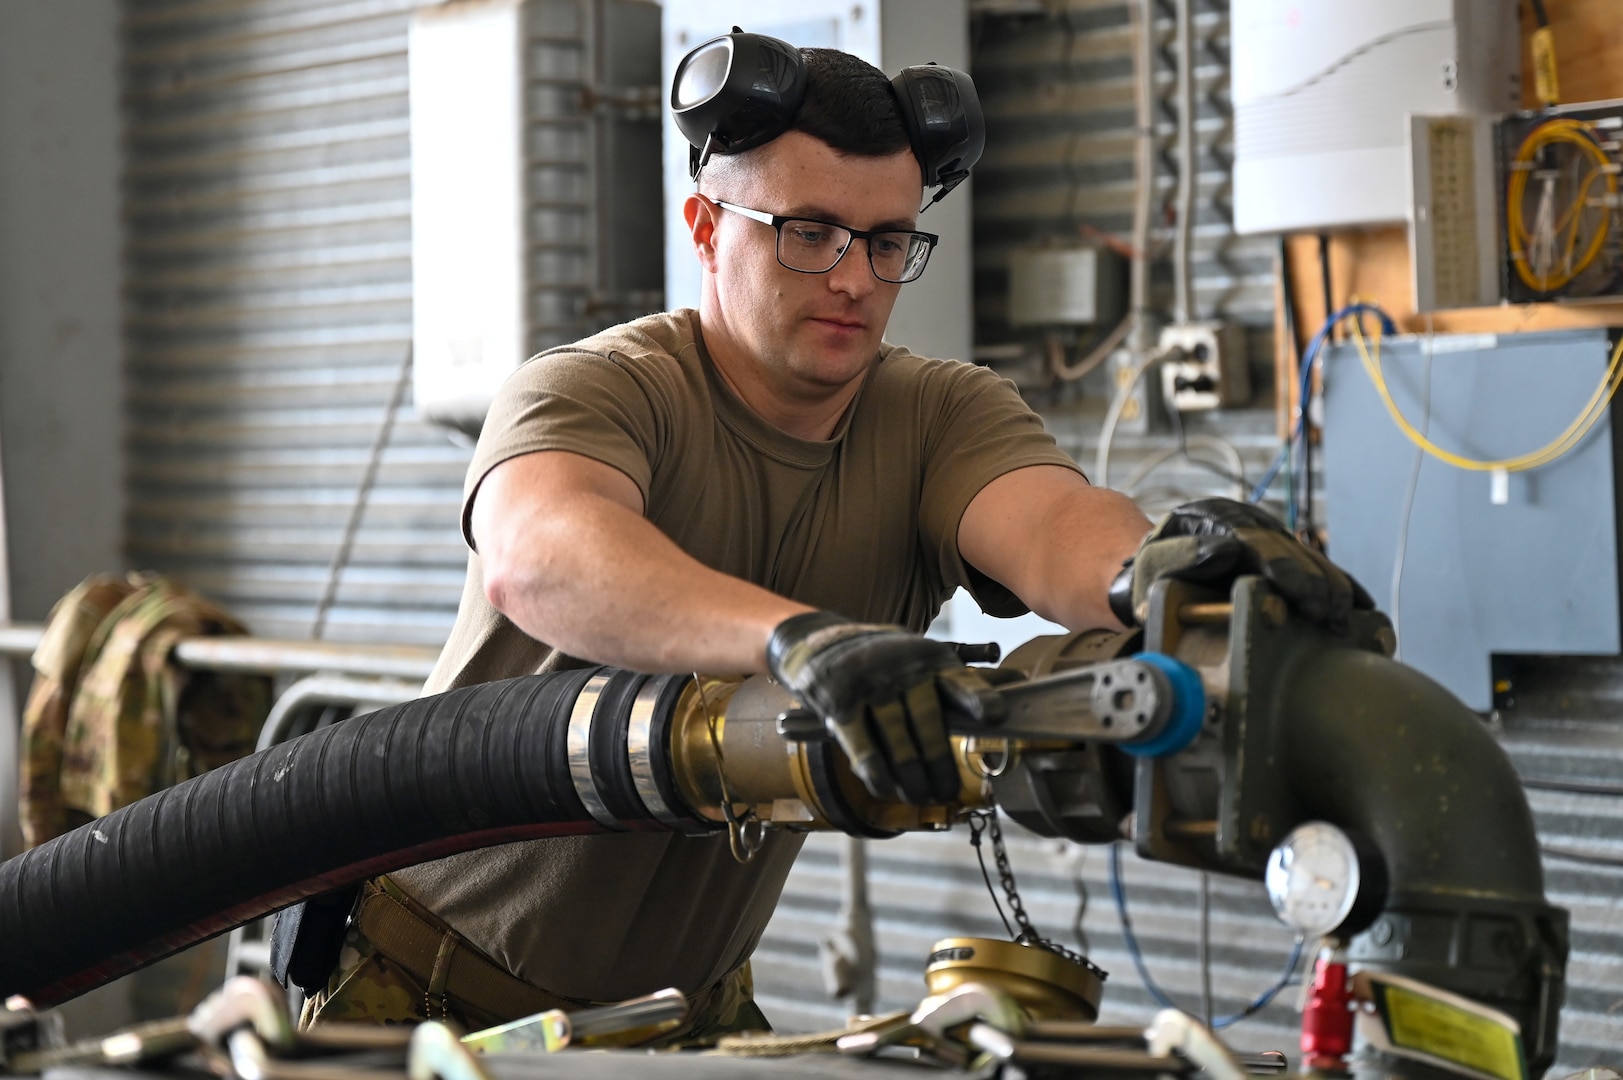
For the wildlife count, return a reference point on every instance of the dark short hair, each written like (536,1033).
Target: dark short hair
(850,105)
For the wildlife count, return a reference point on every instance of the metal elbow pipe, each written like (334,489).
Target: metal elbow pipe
(1378,747)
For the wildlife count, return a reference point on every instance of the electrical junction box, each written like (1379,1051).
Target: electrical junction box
(1322,91)
(1567,246)
(534,186)
(933,316)
(1073,286)
(1491,564)
(1208,369)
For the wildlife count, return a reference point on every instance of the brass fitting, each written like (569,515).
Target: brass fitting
(1047,986)
(725,748)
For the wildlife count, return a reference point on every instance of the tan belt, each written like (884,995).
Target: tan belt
(446,965)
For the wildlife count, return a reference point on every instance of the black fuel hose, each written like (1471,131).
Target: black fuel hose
(473,767)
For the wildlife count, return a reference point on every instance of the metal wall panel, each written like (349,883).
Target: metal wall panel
(1558,718)
(268,312)
(925,887)
(269,308)
(1057,88)
(1056,83)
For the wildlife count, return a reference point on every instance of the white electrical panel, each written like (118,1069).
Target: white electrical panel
(535,186)
(467,196)
(1322,92)
(933,315)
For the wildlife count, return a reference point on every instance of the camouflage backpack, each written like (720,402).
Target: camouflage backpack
(45,718)
(121,720)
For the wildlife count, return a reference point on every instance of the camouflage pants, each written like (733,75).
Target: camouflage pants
(369,987)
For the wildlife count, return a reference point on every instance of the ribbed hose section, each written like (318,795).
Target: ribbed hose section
(473,767)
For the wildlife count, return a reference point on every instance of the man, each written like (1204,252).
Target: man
(704,491)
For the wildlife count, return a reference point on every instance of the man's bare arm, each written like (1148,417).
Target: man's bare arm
(569,558)
(1053,539)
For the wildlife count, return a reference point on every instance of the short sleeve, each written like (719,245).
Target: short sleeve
(588,403)
(981,430)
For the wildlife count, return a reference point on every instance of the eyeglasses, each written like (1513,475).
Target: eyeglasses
(816,247)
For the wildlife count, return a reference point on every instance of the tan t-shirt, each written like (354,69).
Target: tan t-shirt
(865,524)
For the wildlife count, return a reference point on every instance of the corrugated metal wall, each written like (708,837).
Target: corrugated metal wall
(926,887)
(1056,81)
(268,314)
(269,305)
(1559,718)
(1058,94)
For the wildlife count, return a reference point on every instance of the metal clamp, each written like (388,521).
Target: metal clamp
(639,752)
(580,752)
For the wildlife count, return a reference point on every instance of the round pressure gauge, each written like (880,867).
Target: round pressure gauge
(1314,879)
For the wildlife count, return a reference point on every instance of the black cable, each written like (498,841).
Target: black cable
(1288,298)
(1324,273)
(977,825)
(1306,477)
(1287,288)
(1077,929)
(1577,787)
(1539,13)
(1590,858)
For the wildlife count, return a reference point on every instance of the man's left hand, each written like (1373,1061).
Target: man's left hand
(1214,541)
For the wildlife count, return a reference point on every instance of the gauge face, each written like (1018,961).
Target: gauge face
(1313,878)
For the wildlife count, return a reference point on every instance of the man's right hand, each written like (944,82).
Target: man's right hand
(879,692)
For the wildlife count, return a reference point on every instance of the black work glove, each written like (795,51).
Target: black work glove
(1213,541)
(879,690)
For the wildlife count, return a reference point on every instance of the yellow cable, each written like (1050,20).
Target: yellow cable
(1563,131)
(1564,442)
(1577,208)
(1592,411)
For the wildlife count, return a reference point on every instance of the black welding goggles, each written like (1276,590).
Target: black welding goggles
(741,90)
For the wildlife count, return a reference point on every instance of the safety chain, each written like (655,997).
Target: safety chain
(744,841)
(985,821)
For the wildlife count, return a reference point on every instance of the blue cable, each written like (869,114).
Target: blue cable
(1262,1001)
(1310,356)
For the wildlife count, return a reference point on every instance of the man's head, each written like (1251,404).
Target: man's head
(849,106)
(846,160)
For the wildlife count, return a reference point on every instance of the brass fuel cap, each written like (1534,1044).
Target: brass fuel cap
(1047,985)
